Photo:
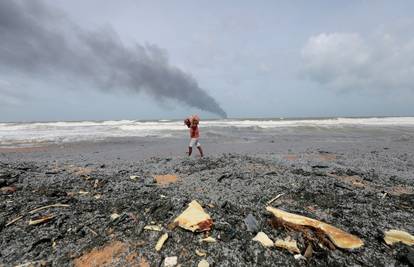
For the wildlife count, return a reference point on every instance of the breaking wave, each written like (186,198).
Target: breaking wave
(16,134)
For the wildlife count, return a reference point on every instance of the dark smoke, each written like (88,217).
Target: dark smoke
(38,41)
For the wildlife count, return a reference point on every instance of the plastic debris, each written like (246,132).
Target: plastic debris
(203,263)
(153,228)
(394,236)
(161,242)
(170,261)
(263,239)
(208,240)
(251,224)
(337,236)
(194,218)
(288,243)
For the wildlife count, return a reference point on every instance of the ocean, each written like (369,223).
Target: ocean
(37,133)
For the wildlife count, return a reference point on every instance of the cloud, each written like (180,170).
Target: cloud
(42,43)
(349,61)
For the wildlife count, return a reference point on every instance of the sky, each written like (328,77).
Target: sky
(111,60)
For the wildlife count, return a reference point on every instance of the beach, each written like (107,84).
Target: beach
(355,174)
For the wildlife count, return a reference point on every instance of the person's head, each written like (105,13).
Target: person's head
(187,122)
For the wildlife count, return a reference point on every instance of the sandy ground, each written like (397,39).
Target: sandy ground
(361,181)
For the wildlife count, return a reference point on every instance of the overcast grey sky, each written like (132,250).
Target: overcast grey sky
(248,58)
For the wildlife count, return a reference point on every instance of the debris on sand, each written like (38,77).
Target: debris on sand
(161,242)
(49,206)
(8,189)
(394,236)
(340,238)
(115,216)
(42,219)
(200,253)
(194,218)
(203,263)
(263,239)
(170,261)
(289,244)
(133,177)
(156,228)
(208,240)
(275,198)
(105,256)
(251,223)
(165,179)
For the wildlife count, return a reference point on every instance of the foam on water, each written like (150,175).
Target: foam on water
(15,134)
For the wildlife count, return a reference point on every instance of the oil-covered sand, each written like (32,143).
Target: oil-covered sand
(361,182)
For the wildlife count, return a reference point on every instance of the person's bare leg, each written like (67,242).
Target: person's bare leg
(190,150)
(200,150)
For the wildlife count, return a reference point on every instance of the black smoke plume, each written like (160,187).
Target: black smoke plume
(39,41)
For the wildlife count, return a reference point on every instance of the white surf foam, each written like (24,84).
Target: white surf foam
(61,132)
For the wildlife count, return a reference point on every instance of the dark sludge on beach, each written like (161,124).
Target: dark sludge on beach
(223,210)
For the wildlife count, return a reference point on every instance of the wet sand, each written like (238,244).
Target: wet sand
(360,181)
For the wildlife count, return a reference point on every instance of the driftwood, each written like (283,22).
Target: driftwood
(14,220)
(273,199)
(50,206)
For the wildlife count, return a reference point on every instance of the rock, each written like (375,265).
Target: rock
(394,236)
(288,243)
(263,239)
(251,224)
(170,261)
(194,218)
(203,263)
(161,242)
(337,236)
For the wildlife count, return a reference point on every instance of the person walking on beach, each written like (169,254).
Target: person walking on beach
(192,123)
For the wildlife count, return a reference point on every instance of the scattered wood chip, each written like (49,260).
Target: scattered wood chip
(165,179)
(289,244)
(337,236)
(394,236)
(170,261)
(153,228)
(208,240)
(200,253)
(83,192)
(299,257)
(115,216)
(161,242)
(14,220)
(49,206)
(263,239)
(308,252)
(273,199)
(194,218)
(42,219)
(97,196)
(203,263)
